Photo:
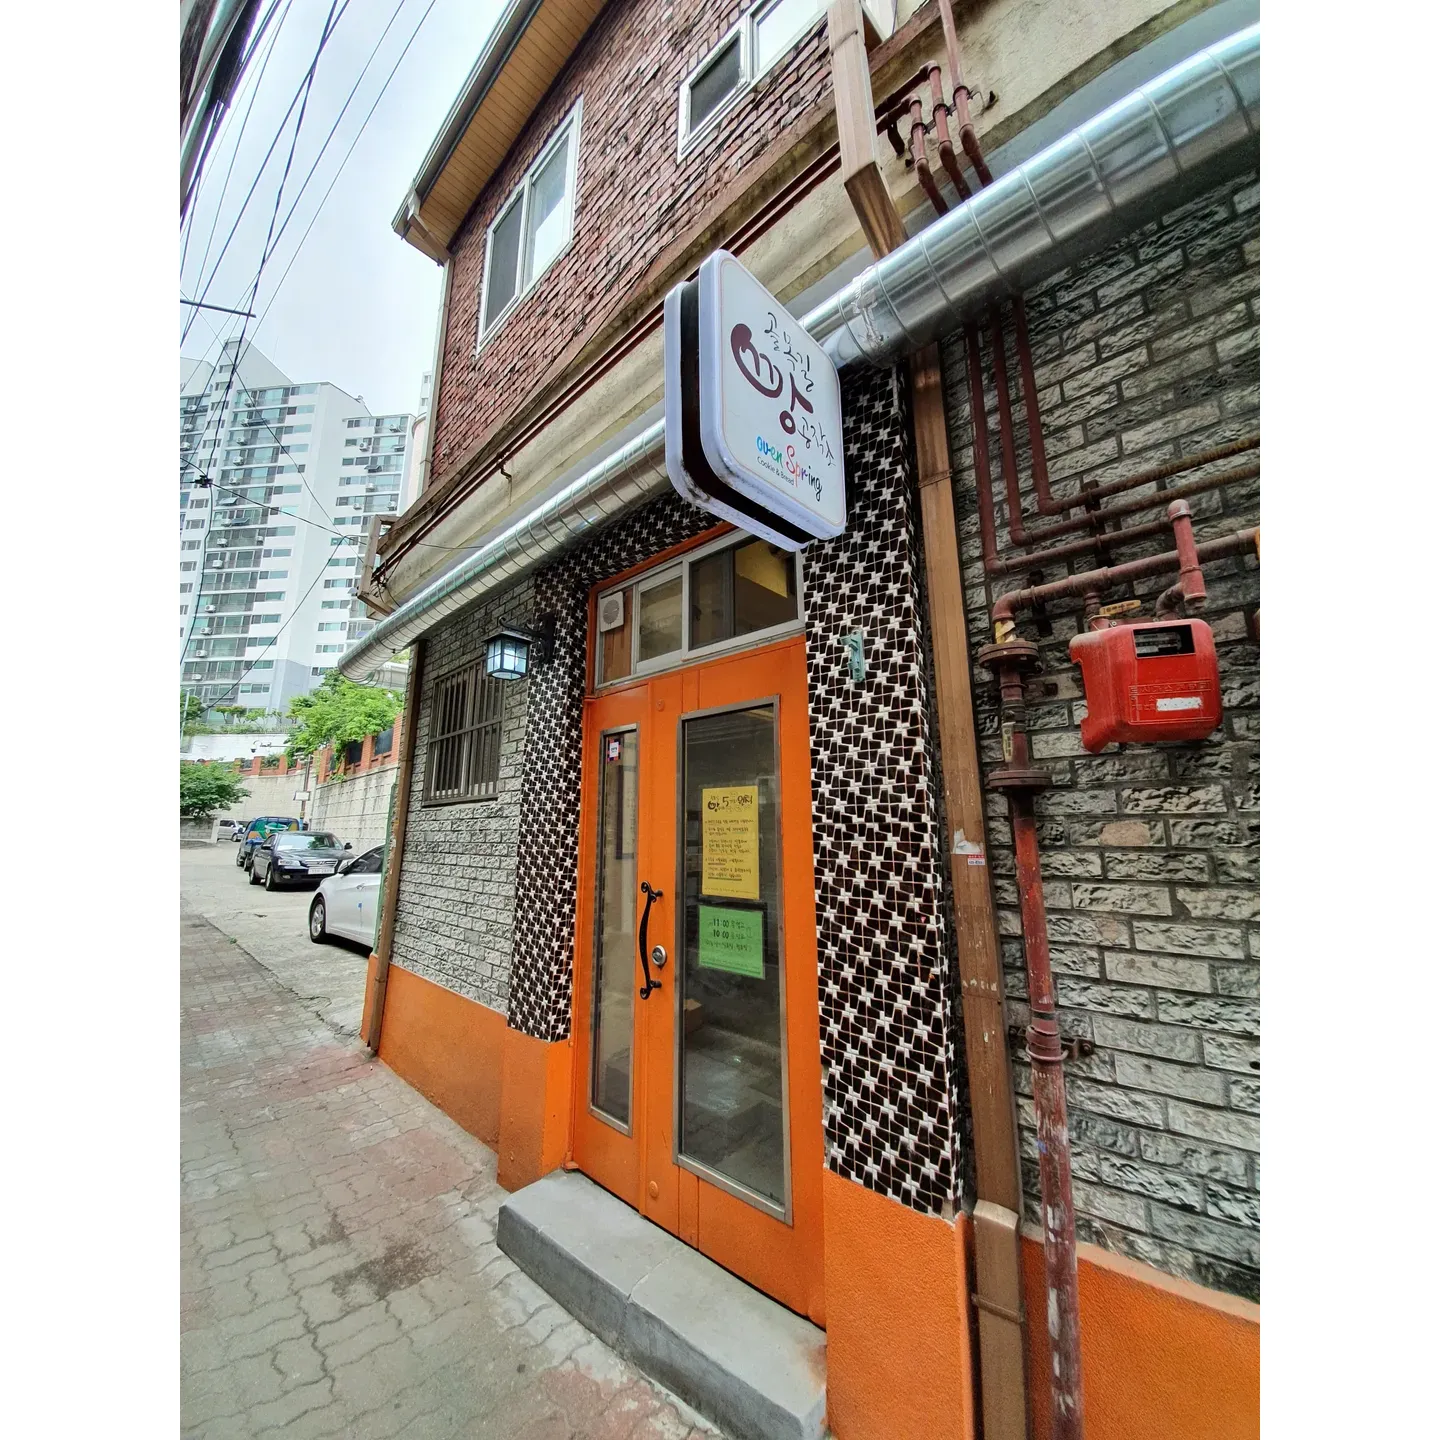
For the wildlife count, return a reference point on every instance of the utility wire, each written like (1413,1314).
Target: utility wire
(234,154)
(208,479)
(221,107)
(240,680)
(240,348)
(365,70)
(275,293)
(206,483)
(301,94)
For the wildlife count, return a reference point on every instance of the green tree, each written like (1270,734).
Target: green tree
(206,788)
(337,712)
(192,713)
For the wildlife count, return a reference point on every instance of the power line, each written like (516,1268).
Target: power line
(374,104)
(365,70)
(234,155)
(223,309)
(234,689)
(206,483)
(220,102)
(303,91)
(264,255)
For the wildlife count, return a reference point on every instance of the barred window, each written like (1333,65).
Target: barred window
(464,750)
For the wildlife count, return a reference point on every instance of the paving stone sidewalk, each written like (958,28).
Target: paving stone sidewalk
(339,1270)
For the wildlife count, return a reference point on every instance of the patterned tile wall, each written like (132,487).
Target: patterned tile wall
(548,844)
(888,1011)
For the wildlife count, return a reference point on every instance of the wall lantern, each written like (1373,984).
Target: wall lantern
(510,652)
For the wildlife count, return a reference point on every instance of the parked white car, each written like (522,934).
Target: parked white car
(348,903)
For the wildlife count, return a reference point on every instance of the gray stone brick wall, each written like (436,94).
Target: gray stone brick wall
(455,916)
(356,807)
(1147,351)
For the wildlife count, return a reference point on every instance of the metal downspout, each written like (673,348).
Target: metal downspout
(1151,151)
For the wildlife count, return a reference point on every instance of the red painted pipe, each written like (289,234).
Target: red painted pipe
(1003,611)
(1136,503)
(922,164)
(979,427)
(1039,470)
(1033,559)
(1042,1045)
(1191,585)
(1047,1079)
(942,135)
(1008,467)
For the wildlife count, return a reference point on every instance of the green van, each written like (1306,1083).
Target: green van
(256,832)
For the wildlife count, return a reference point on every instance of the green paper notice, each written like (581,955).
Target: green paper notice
(732,940)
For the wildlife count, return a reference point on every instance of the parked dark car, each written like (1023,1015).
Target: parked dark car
(290,856)
(257,830)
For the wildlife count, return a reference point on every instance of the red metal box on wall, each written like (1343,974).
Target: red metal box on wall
(1157,681)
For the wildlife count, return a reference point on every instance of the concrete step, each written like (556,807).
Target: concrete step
(749,1365)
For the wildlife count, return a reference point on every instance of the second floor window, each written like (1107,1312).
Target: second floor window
(532,228)
(764,35)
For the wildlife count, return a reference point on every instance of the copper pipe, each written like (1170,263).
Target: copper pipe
(942,135)
(960,92)
(952,44)
(968,142)
(1003,611)
(922,163)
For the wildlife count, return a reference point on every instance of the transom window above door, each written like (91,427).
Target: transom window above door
(731,594)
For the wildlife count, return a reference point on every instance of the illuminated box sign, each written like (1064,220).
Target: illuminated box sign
(752,409)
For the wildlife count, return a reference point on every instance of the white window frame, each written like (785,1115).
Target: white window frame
(750,76)
(520,195)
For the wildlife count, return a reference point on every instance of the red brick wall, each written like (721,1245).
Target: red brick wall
(634,196)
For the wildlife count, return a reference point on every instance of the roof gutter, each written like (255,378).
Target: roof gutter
(1150,152)
(503,39)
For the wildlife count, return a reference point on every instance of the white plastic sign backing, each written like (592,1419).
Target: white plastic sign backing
(769,402)
(685,460)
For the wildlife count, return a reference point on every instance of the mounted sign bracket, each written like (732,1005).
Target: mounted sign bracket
(752,410)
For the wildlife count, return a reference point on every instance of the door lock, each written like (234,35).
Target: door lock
(658,957)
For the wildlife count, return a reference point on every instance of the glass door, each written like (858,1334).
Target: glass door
(696,1019)
(730,1091)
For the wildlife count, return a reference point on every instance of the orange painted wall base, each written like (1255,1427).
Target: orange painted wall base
(898,1356)
(448,1047)
(505,1088)
(534,1108)
(1161,1356)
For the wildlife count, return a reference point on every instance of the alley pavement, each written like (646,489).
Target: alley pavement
(339,1271)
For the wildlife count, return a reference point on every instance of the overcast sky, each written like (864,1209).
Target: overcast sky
(359,306)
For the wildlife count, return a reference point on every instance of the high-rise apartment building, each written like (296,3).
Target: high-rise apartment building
(278,484)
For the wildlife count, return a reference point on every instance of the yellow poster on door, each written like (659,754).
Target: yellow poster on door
(730,842)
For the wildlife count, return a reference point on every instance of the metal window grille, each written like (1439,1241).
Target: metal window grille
(464,758)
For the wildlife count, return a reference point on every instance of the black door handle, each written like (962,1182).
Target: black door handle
(651,896)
